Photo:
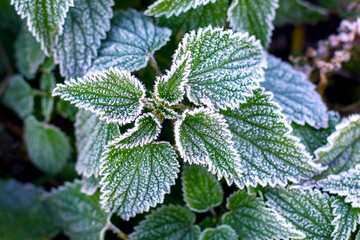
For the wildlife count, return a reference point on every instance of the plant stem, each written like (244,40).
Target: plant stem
(116,230)
(40,93)
(212,211)
(155,65)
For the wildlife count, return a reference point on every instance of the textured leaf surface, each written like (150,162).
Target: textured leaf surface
(251,219)
(295,94)
(202,137)
(166,112)
(92,135)
(309,210)
(89,185)
(201,189)
(254,17)
(219,233)
(133,38)
(113,95)
(47,145)
(85,26)
(47,84)
(45,19)
(168,223)
(225,66)
(268,153)
(138,178)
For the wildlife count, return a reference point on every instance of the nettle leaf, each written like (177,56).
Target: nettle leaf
(201,189)
(47,145)
(170,87)
(135,179)
(79,215)
(254,17)
(295,94)
(308,210)
(166,112)
(202,137)
(268,153)
(251,219)
(85,26)
(89,185)
(47,84)
(113,95)
(28,54)
(92,135)
(131,42)
(343,149)
(168,223)
(23,214)
(221,232)
(170,7)
(19,96)
(45,19)
(225,66)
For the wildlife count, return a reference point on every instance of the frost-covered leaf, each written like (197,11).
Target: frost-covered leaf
(89,185)
(343,149)
(268,153)
(131,42)
(202,137)
(219,233)
(295,94)
(201,189)
(28,54)
(85,26)
(308,210)
(23,214)
(171,7)
(225,66)
(47,145)
(19,96)
(80,216)
(251,219)
(47,84)
(92,135)
(135,179)
(168,223)
(45,19)
(170,87)
(254,17)
(166,112)
(113,95)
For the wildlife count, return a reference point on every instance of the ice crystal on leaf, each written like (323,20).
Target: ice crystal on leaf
(221,232)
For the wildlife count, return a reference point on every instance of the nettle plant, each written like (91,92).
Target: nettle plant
(227,115)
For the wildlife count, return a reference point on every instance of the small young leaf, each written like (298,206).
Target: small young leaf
(131,42)
(166,112)
(167,223)
(135,179)
(47,84)
(201,189)
(48,146)
(308,210)
(254,17)
(219,233)
(67,110)
(45,19)
(202,137)
(113,95)
(89,185)
(225,67)
(253,220)
(294,92)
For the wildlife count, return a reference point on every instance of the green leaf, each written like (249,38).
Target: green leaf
(92,135)
(131,42)
(201,189)
(251,219)
(202,137)
(254,17)
(166,112)
(135,179)
(308,210)
(170,7)
(113,95)
(225,67)
(67,110)
(47,145)
(47,84)
(28,54)
(295,94)
(23,214)
(19,96)
(45,19)
(168,223)
(89,185)
(79,215)
(85,26)
(221,232)
(268,153)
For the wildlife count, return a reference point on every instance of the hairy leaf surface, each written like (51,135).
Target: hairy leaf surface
(219,233)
